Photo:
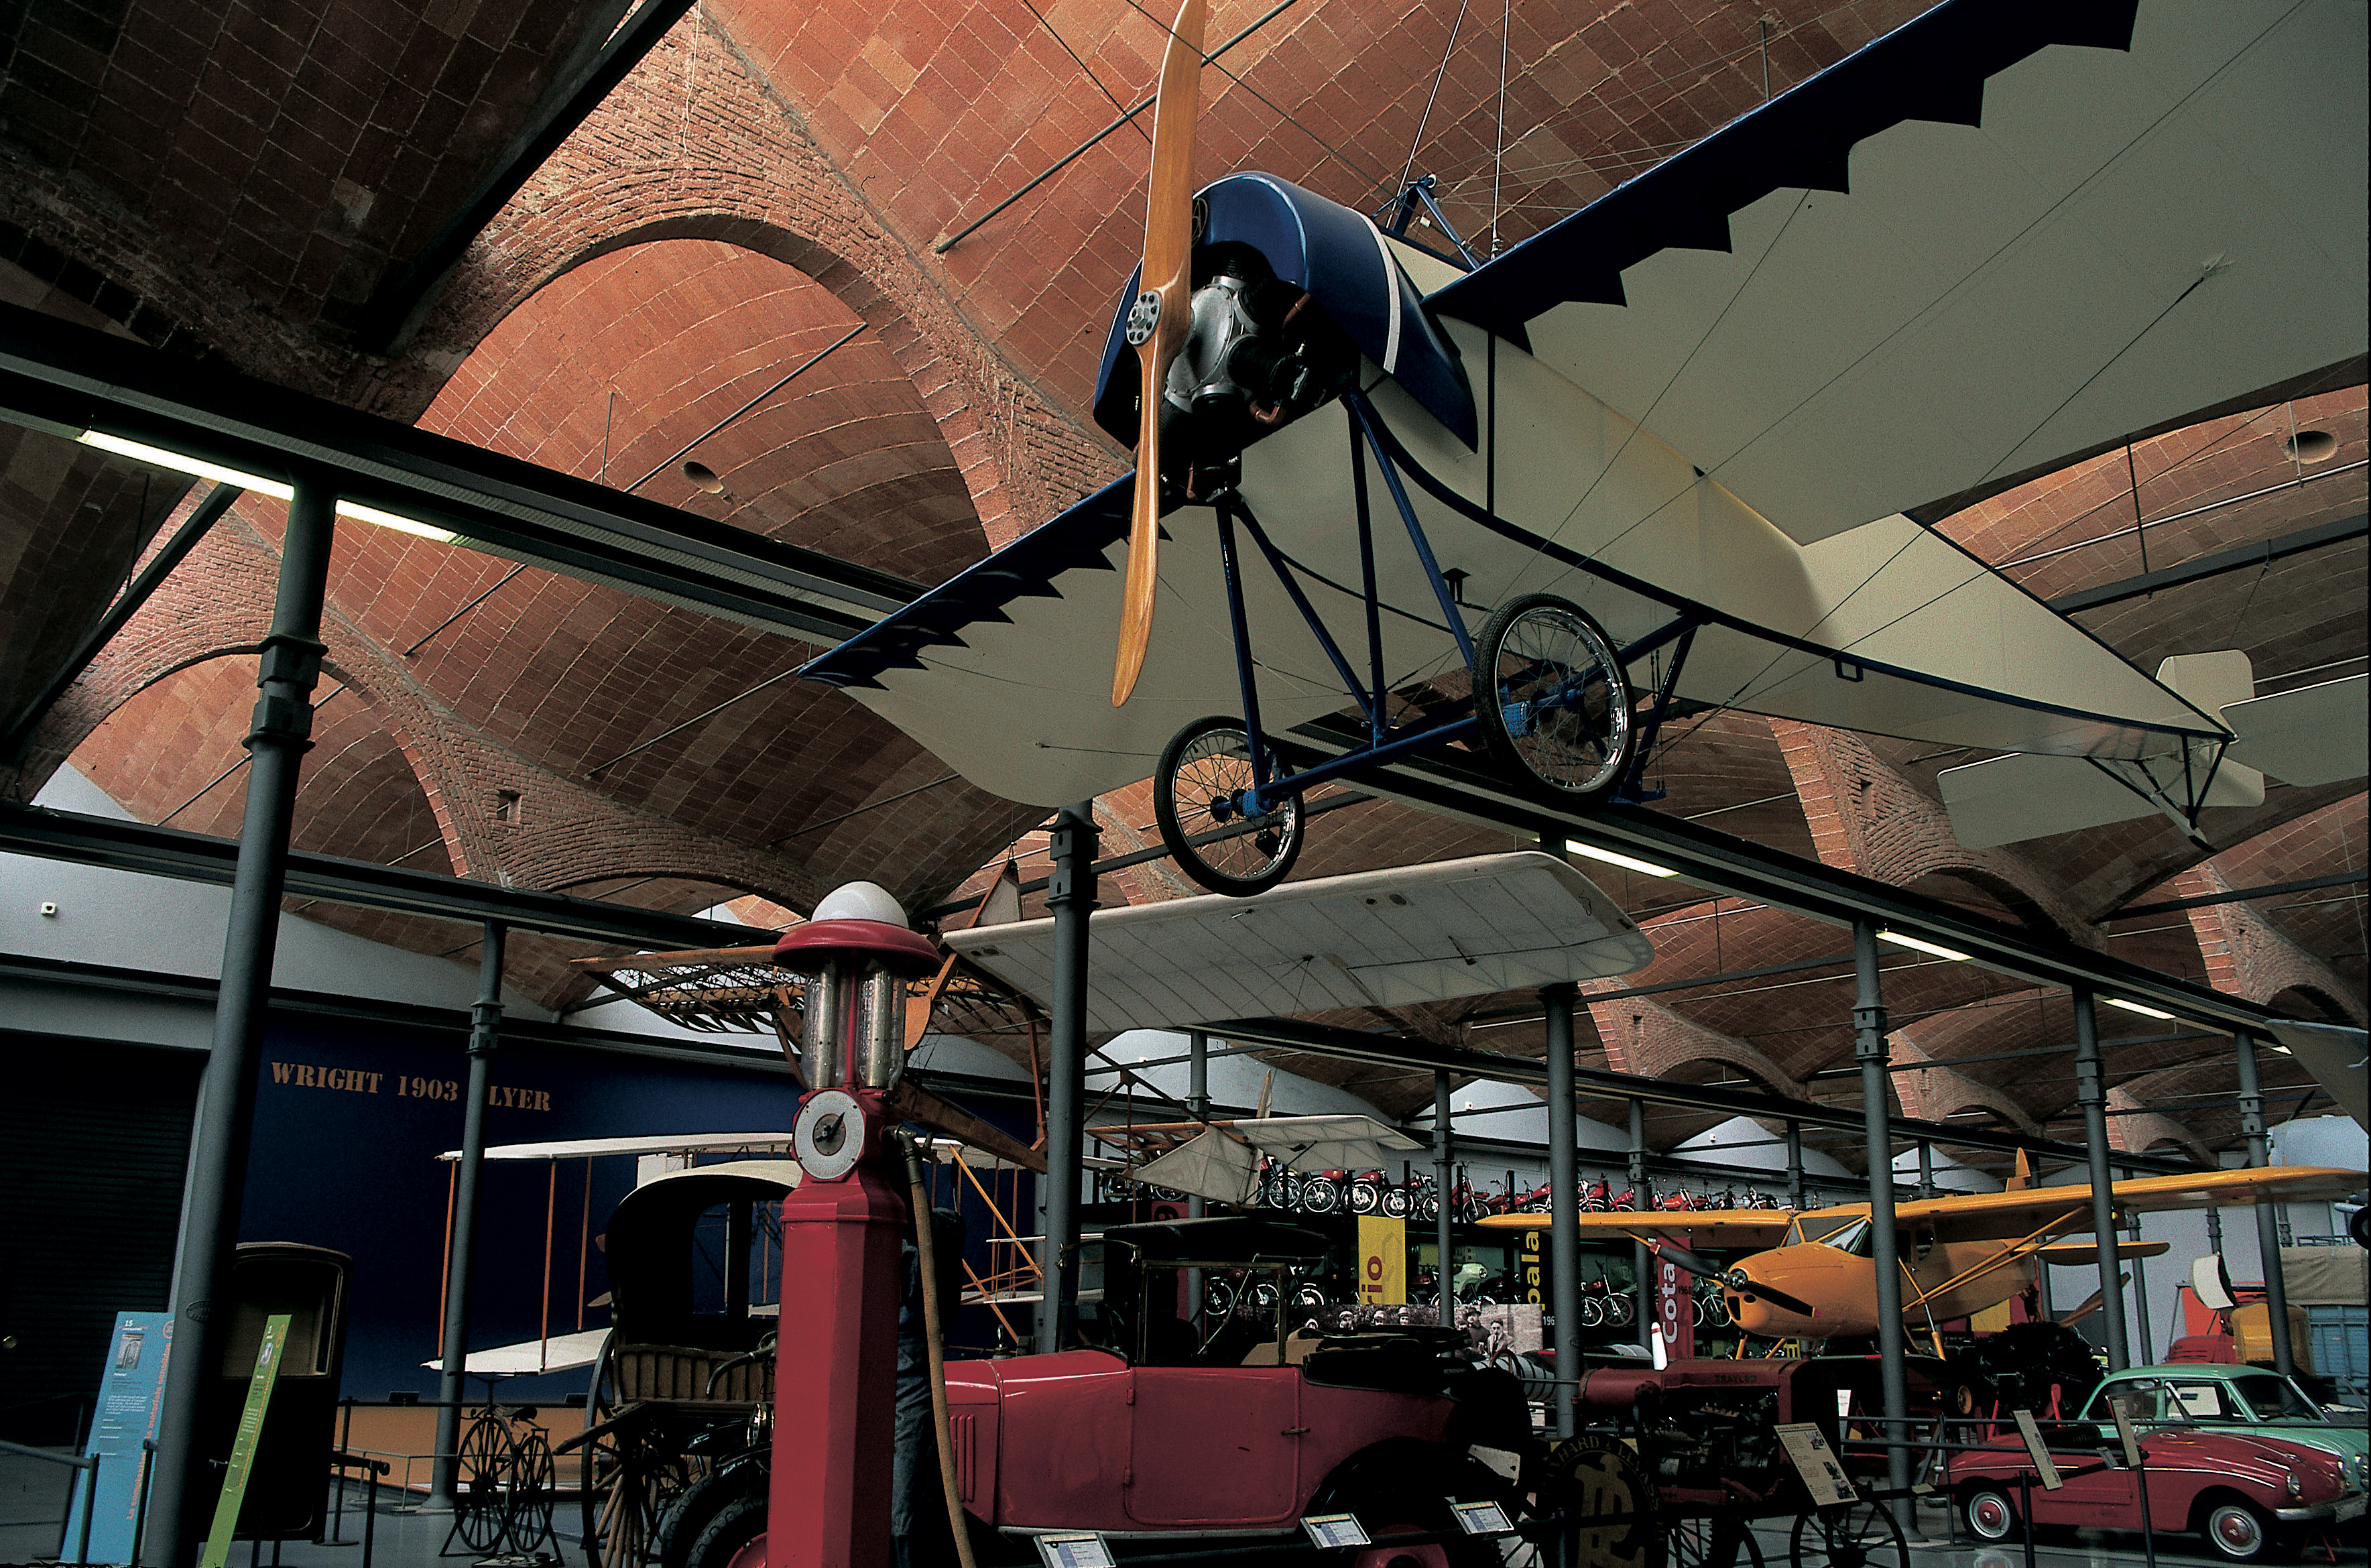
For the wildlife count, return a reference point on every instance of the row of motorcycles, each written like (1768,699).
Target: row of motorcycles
(1602,1305)
(1416,1196)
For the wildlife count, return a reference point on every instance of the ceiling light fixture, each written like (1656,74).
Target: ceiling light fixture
(2136,1007)
(278,489)
(1920,945)
(156,457)
(1646,867)
(362,514)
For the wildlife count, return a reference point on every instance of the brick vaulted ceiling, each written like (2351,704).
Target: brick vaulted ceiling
(247,184)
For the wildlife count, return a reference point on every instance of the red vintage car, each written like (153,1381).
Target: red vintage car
(2251,1498)
(1162,1432)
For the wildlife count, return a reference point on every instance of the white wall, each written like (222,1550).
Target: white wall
(127,920)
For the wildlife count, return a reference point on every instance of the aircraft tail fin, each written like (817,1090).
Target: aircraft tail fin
(2029,794)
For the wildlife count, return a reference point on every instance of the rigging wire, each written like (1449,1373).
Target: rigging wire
(1416,141)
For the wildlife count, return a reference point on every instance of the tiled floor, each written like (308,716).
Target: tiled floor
(32,1500)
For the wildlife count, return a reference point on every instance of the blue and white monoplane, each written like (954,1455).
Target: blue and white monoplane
(1684,446)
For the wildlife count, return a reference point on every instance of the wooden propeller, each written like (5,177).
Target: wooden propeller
(1157,322)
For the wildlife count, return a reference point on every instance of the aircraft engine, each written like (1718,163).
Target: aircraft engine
(1260,353)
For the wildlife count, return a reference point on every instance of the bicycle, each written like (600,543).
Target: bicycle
(504,1486)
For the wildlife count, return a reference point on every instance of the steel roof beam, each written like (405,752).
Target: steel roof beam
(200,857)
(1590,1083)
(1711,859)
(67,380)
(2214,566)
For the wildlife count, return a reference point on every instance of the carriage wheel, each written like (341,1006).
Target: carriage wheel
(1553,702)
(1720,1541)
(629,1481)
(480,1505)
(1855,1535)
(1202,770)
(532,1487)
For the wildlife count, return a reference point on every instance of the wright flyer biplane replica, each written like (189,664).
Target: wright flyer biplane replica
(1684,446)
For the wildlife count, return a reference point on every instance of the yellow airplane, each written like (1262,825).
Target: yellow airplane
(1816,1279)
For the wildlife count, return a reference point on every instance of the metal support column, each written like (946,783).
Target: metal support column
(1198,1106)
(485,1037)
(183,1482)
(1070,892)
(1445,1150)
(1869,1031)
(2268,1220)
(2091,1093)
(2140,1301)
(1925,1169)
(1644,1202)
(1564,1197)
(1795,1165)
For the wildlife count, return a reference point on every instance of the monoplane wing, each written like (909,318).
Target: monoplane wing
(2057,1209)
(1716,1229)
(2009,234)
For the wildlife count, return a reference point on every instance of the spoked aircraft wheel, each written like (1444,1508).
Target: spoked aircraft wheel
(1553,704)
(1202,770)
(1856,1535)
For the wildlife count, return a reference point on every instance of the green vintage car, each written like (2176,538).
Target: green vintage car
(2246,1398)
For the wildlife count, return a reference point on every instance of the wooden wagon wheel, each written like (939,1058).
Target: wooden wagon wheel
(626,1486)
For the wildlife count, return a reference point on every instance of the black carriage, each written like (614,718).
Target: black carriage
(687,1369)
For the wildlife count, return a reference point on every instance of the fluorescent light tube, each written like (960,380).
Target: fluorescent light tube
(156,457)
(1646,868)
(362,514)
(1920,945)
(2136,1007)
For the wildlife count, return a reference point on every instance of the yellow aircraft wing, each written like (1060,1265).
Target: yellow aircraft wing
(1975,1215)
(1715,1228)
(1970,1216)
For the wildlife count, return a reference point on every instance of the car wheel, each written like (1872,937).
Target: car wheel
(1407,1493)
(679,1533)
(2238,1532)
(1991,1516)
(736,1525)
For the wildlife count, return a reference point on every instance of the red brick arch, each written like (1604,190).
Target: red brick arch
(753,178)
(1865,817)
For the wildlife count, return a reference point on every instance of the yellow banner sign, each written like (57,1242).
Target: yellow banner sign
(1382,1261)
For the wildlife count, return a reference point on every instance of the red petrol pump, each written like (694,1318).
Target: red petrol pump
(834,1383)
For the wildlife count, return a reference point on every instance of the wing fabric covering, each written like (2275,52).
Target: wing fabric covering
(1960,257)
(2035,241)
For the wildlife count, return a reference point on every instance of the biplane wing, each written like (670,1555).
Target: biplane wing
(2006,236)
(1221,1159)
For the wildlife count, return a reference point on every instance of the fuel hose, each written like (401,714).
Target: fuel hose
(934,1338)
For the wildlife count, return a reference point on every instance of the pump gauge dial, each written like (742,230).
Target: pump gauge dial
(828,1134)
